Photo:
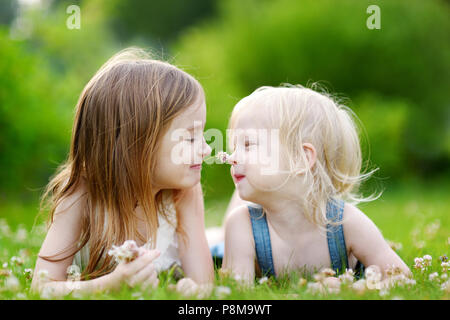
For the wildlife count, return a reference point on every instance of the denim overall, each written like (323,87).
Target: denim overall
(335,238)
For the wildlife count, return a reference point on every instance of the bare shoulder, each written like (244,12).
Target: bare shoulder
(238,218)
(354,218)
(359,230)
(72,204)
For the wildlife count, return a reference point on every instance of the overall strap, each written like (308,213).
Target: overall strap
(261,236)
(335,236)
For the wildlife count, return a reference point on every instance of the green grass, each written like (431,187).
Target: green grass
(412,214)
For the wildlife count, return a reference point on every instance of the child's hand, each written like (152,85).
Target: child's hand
(140,271)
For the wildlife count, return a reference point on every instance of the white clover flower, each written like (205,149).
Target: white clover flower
(315,287)
(359,286)
(17,260)
(222,291)
(347,277)
(418,263)
(433,276)
(4,228)
(327,272)
(446,286)
(21,234)
(12,283)
(223,157)
(187,287)
(127,252)
(43,275)
(427,260)
(444,276)
(28,273)
(432,228)
(5,265)
(332,284)
(419,244)
(445,266)
(73,273)
(373,272)
(48,293)
(263,280)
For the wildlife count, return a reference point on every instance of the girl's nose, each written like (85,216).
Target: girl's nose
(206,149)
(232,158)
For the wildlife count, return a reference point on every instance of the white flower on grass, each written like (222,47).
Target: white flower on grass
(315,288)
(12,283)
(5,265)
(127,252)
(18,261)
(263,280)
(222,291)
(21,234)
(373,277)
(433,276)
(432,228)
(28,273)
(445,266)
(446,286)
(418,263)
(5,229)
(359,286)
(188,288)
(444,276)
(347,277)
(427,260)
(419,244)
(47,293)
(43,275)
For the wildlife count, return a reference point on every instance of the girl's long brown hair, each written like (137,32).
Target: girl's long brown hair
(121,115)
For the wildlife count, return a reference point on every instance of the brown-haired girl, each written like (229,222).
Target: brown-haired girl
(123,180)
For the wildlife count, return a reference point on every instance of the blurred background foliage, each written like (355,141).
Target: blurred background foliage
(396,79)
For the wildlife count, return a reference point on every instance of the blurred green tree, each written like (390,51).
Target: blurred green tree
(255,43)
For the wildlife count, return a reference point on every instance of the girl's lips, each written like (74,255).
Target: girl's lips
(238,177)
(196,167)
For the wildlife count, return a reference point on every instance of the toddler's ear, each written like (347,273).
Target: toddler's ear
(311,154)
(311,157)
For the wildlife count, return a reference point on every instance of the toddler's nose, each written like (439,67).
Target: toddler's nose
(232,159)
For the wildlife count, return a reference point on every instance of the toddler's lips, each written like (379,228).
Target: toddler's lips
(196,166)
(238,177)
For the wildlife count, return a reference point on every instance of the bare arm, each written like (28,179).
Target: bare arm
(195,256)
(366,242)
(64,232)
(239,258)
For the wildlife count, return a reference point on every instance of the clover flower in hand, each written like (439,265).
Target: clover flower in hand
(127,252)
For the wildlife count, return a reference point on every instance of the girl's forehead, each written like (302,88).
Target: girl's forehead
(254,118)
(193,116)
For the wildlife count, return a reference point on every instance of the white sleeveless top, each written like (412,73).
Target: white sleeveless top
(166,241)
